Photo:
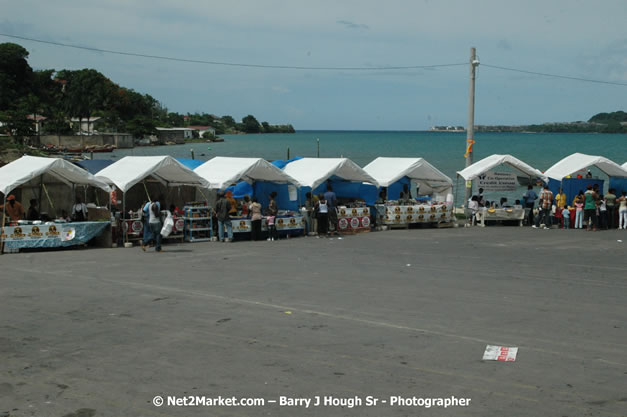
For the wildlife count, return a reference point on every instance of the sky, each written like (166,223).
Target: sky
(584,39)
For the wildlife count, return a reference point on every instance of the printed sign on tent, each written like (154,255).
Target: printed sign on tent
(498,181)
(500,353)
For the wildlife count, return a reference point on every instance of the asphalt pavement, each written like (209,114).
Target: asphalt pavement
(398,317)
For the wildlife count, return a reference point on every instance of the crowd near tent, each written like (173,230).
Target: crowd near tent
(393,173)
(346,177)
(256,177)
(560,174)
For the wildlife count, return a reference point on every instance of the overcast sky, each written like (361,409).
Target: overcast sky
(576,38)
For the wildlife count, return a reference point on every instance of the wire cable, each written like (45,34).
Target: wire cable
(234,64)
(554,75)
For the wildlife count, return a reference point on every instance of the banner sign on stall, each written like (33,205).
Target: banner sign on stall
(498,181)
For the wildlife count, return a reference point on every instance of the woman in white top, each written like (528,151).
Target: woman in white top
(323,215)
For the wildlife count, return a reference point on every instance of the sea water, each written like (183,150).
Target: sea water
(443,150)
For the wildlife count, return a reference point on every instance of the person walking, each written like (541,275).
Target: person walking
(255,219)
(223,207)
(154,222)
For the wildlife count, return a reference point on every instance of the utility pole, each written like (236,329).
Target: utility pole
(470,130)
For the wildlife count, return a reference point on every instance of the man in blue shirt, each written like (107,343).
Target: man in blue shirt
(332,203)
(529,199)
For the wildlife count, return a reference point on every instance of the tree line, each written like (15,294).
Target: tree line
(62,95)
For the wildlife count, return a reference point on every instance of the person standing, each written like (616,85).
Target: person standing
(13,208)
(546,202)
(154,221)
(566,216)
(323,215)
(223,207)
(331,199)
(529,199)
(622,211)
(308,213)
(578,212)
(405,194)
(610,203)
(33,214)
(79,211)
(232,203)
(255,219)
(272,211)
(590,208)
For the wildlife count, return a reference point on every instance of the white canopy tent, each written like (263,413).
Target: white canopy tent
(624,166)
(221,172)
(311,172)
(387,171)
(28,168)
(579,161)
(130,170)
(486,164)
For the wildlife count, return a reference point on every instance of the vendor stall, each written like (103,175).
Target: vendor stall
(492,181)
(434,188)
(262,178)
(132,170)
(44,234)
(346,178)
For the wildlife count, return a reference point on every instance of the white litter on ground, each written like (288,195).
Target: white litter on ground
(500,353)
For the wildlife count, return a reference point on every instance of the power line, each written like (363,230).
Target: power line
(554,75)
(295,67)
(232,64)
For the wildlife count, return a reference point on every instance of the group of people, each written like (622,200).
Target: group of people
(15,212)
(226,208)
(598,211)
(321,213)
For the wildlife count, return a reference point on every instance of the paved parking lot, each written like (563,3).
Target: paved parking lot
(101,332)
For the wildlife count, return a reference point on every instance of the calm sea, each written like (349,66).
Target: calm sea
(443,150)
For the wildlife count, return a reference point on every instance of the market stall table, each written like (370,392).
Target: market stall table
(502,214)
(404,215)
(286,225)
(353,219)
(50,234)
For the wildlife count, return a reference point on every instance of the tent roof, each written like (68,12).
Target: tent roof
(190,163)
(486,164)
(579,161)
(389,170)
(311,172)
(624,166)
(130,170)
(27,168)
(221,172)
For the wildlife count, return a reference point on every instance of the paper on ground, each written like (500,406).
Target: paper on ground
(500,353)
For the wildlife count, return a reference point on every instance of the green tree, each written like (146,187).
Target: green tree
(250,124)
(16,76)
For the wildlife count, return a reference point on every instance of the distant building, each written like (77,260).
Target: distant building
(38,121)
(203,129)
(174,134)
(86,125)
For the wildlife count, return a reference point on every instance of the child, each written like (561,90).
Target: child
(566,216)
(579,213)
(272,234)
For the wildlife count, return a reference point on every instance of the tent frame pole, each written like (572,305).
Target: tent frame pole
(4,215)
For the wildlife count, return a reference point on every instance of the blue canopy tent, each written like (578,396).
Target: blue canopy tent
(253,177)
(94,166)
